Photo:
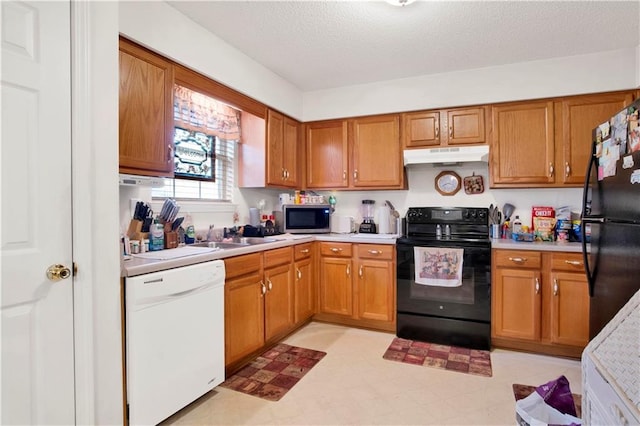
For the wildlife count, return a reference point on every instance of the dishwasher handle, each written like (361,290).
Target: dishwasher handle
(147,302)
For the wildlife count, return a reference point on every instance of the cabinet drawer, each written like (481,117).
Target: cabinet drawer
(278,257)
(302,251)
(571,262)
(242,265)
(375,251)
(335,249)
(518,258)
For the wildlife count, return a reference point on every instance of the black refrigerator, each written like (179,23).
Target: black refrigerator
(611,209)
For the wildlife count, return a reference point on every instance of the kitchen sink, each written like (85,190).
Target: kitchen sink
(240,242)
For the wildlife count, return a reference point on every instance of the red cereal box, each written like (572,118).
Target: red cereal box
(542,212)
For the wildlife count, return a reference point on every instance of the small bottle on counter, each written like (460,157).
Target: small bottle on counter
(516,227)
(297,199)
(438,231)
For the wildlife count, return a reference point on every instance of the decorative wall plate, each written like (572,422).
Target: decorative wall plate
(473,184)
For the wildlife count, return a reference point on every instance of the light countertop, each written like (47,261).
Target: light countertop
(139,265)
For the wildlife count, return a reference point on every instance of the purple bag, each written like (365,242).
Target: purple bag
(557,394)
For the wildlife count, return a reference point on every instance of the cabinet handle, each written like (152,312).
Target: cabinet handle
(284,173)
(375,251)
(573,262)
(518,259)
(437,129)
(348,270)
(336,249)
(551,169)
(360,271)
(537,286)
(263,289)
(344,175)
(355,175)
(304,251)
(269,284)
(287,172)
(567,169)
(555,287)
(299,273)
(450,131)
(170,159)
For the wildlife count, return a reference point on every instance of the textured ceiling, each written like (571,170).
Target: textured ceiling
(325,44)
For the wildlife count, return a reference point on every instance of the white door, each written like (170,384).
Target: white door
(37,313)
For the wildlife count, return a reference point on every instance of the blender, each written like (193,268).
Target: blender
(367,226)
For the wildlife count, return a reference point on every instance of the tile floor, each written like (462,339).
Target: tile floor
(354,385)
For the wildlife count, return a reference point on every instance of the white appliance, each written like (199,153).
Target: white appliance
(138,180)
(611,370)
(174,339)
(447,155)
(343,224)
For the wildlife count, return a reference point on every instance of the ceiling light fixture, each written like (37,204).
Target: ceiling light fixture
(400,2)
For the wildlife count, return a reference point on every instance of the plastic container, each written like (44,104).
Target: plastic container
(156,242)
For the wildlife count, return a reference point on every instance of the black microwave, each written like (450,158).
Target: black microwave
(304,218)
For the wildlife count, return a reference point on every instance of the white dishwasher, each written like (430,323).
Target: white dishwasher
(174,339)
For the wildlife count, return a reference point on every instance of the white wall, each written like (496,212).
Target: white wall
(537,79)
(422,193)
(163,29)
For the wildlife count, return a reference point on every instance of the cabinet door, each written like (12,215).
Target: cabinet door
(279,300)
(304,294)
(375,290)
(290,159)
(466,126)
(421,129)
(336,289)
(276,174)
(579,116)
(522,150)
(244,317)
(516,304)
(145,112)
(327,154)
(376,153)
(569,309)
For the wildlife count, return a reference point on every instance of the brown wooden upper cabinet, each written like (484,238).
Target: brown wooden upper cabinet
(458,126)
(282,151)
(145,112)
(547,143)
(357,153)
(576,117)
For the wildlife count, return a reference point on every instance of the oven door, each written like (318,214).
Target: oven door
(467,299)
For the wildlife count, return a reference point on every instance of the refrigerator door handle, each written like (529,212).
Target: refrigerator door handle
(590,274)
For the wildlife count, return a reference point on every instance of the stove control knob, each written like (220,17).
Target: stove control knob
(482,214)
(465,214)
(474,213)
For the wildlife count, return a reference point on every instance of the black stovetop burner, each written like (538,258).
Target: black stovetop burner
(447,223)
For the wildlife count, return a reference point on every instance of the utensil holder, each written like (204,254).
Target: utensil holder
(170,239)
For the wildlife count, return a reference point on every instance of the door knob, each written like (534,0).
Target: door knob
(58,272)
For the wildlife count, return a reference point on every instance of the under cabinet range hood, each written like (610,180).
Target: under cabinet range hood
(447,155)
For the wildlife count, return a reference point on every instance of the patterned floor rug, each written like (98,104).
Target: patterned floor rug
(271,375)
(523,391)
(452,358)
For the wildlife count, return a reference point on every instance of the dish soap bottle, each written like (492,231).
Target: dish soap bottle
(156,242)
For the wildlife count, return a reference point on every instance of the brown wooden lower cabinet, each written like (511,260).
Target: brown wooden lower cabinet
(267,296)
(357,285)
(540,302)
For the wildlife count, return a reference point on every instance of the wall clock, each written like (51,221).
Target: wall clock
(448,183)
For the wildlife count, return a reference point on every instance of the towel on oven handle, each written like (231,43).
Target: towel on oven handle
(438,266)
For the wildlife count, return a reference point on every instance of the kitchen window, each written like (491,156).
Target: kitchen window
(206,134)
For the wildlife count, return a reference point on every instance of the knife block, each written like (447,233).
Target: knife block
(170,239)
(135,227)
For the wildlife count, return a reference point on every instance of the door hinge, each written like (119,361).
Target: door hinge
(75,269)
(127,414)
